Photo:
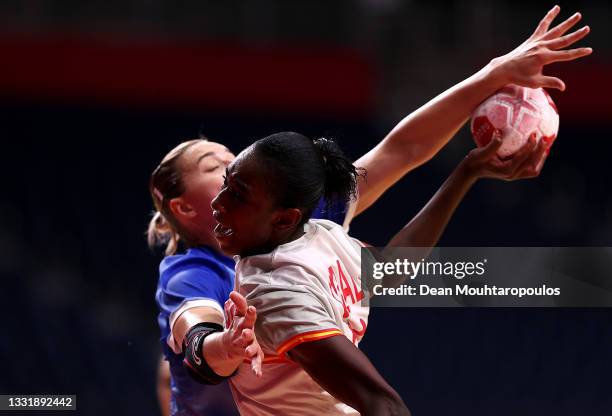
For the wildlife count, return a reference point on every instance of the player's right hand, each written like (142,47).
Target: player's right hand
(239,337)
(523,66)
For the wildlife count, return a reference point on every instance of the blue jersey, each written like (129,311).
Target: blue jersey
(199,277)
(203,277)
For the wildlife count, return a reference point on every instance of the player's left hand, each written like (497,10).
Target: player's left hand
(527,162)
(239,336)
(523,66)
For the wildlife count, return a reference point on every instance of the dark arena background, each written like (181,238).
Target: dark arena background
(94,93)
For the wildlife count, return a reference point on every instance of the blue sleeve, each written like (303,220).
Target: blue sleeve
(189,277)
(336,211)
(196,280)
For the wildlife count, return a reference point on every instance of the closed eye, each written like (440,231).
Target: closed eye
(212,169)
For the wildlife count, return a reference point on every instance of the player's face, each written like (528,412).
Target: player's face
(244,209)
(203,166)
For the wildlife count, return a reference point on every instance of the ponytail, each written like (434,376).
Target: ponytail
(340,174)
(160,233)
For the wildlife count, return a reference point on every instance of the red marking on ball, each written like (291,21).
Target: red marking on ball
(482,130)
(517,112)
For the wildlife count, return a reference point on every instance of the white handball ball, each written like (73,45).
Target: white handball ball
(518,112)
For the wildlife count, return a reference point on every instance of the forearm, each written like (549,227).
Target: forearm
(215,351)
(347,374)
(419,136)
(163,387)
(425,131)
(425,229)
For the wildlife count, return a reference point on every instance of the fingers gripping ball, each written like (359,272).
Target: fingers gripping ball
(518,112)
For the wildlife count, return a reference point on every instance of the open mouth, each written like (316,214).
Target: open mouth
(223,231)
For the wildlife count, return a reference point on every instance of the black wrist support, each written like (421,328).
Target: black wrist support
(194,361)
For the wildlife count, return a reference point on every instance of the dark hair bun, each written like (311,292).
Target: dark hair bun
(340,174)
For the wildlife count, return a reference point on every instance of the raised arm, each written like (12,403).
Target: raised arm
(425,229)
(347,374)
(419,136)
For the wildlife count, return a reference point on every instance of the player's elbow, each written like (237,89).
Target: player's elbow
(422,153)
(388,404)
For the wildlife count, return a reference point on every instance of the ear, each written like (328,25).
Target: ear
(181,209)
(286,219)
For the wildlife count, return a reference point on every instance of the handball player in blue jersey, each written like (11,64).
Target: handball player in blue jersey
(194,285)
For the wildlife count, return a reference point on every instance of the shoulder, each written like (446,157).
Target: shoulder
(325,224)
(288,276)
(196,260)
(330,231)
(195,270)
(288,281)
(292,275)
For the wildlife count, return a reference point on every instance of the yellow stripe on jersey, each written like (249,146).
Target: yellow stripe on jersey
(307,337)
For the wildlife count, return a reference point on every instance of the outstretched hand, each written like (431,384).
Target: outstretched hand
(240,339)
(527,162)
(523,66)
